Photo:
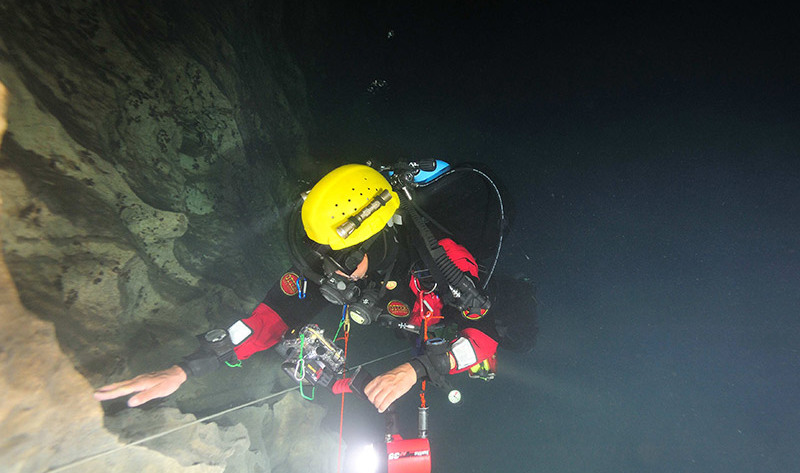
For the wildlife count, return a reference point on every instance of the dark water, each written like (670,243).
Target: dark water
(669,298)
(653,161)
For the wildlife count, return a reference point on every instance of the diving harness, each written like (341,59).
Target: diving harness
(312,359)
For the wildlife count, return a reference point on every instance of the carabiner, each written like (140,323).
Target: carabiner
(300,370)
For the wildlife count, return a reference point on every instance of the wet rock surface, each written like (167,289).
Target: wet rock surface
(48,417)
(149,155)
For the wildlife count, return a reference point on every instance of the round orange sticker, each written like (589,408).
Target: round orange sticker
(289,284)
(398,308)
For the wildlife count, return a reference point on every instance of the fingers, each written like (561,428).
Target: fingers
(359,272)
(144,396)
(149,386)
(108,388)
(388,387)
(386,401)
(380,393)
(123,388)
(361,269)
(168,384)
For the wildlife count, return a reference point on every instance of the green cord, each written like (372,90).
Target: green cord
(238,364)
(341,322)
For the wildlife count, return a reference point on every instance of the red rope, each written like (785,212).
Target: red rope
(425,316)
(341,411)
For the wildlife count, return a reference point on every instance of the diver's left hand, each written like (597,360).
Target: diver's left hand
(388,387)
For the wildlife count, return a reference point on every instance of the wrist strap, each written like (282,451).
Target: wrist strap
(430,370)
(419,368)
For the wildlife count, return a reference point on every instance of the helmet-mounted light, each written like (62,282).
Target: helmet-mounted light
(347,228)
(348,206)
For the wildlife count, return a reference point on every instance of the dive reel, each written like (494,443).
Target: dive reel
(412,455)
(310,357)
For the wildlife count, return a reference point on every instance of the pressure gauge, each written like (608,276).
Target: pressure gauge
(454,396)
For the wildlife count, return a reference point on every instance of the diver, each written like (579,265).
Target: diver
(385,244)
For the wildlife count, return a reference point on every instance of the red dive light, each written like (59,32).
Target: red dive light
(408,455)
(402,455)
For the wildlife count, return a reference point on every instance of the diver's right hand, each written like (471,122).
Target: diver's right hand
(149,386)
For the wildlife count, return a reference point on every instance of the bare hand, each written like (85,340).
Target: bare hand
(149,386)
(388,387)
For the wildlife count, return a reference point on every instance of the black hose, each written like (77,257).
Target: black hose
(499,195)
(438,261)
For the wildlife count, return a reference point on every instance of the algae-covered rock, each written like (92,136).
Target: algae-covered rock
(150,153)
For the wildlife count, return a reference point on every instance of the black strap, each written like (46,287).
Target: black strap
(466,296)
(435,368)
(209,357)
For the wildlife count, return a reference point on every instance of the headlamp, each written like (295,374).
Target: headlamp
(347,228)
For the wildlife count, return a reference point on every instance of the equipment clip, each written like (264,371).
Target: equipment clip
(301,287)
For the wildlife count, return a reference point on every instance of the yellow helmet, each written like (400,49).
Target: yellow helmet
(342,194)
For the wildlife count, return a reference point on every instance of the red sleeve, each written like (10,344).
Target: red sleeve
(263,329)
(472,347)
(460,256)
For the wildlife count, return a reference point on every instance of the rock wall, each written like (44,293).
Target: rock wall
(146,166)
(51,423)
(151,149)
(47,417)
